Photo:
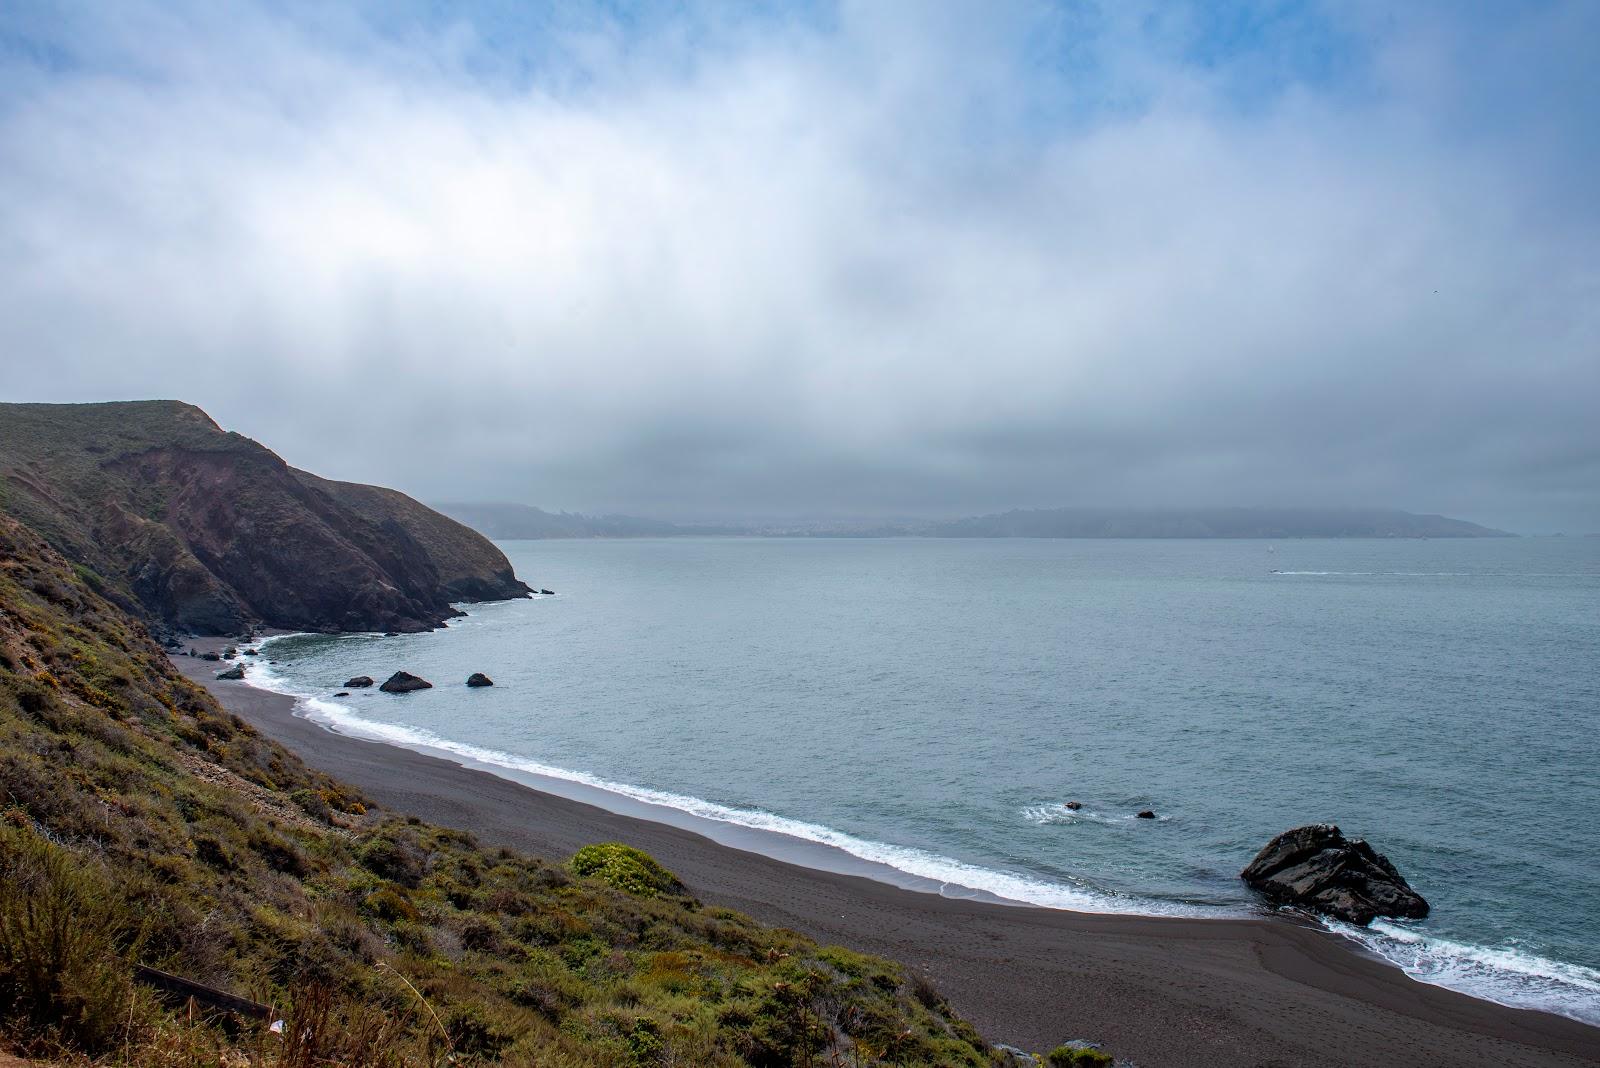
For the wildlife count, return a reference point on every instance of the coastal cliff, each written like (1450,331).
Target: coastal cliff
(204,530)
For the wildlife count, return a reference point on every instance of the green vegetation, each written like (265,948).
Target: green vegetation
(630,870)
(140,823)
(1071,1056)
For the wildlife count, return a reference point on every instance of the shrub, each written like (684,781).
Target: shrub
(630,870)
(394,860)
(389,904)
(60,927)
(313,804)
(1078,1055)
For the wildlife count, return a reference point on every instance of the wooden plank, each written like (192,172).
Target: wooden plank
(205,995)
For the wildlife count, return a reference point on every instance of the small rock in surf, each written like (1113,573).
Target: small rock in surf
(478,678)
(1145,815)
(405,682)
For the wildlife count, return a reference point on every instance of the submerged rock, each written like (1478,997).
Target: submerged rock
(548,593)
(342,693)
(359,681)
(478,678)
(405,682)
(1145,815)
(232,674)
(1316,867)
(1073,806)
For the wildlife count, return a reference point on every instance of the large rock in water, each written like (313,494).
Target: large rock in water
(404,682)
(359,682)
(478,678)
(1316,867)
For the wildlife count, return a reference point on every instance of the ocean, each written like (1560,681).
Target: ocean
(927,707)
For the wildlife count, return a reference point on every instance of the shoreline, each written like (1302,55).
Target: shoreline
(1157,990)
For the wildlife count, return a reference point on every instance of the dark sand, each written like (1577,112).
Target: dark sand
(1162,992)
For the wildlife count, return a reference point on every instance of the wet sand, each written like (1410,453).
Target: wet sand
(1159,991)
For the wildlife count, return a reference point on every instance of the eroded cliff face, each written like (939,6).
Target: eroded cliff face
(211,532)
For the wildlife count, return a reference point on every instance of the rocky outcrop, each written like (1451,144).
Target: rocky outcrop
(208,532)
(1317,868)
(478,678)
(404,682)
(359,682)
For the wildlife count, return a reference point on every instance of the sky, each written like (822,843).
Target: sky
(859,259)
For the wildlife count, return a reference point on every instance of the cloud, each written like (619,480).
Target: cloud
(861,259)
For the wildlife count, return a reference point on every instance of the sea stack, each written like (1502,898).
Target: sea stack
(1316,867)
(405,682)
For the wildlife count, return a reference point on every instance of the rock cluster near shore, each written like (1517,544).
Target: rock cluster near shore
(1316,867)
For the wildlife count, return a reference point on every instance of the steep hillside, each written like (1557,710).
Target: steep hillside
(211,532)
(141,824)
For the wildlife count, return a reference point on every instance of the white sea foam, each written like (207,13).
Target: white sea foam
(1058,812)
(943,870)
(1506,976)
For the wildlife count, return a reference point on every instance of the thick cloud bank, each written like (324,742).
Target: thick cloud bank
(861,259)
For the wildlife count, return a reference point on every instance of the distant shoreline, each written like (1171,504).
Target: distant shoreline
(518,522)
(1161,991)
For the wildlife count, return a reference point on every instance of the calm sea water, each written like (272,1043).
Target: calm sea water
(932,704)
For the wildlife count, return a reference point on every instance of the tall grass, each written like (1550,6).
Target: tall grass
(63,933)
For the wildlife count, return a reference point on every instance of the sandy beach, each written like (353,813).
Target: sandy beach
(1159,991)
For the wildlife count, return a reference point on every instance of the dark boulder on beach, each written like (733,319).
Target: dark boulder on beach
(210,656)
(359,681)
(1316,867)
(478,678)
(405,682)
(232,674)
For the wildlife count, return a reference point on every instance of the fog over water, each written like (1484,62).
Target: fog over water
(852,259)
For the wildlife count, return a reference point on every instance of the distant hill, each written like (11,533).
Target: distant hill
(1211,523)
(512,521)
(509,522)
(209,531)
